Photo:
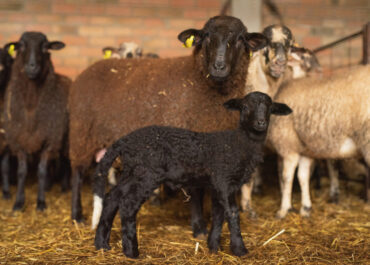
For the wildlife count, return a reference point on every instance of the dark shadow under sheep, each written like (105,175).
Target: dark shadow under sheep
(153,155)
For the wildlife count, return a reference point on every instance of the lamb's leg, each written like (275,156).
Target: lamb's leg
(246,198)
(21,175)
(42,174)
(289,165)
(76,195)
(5,175)
(110,208)
(66,171)
(218,216)
(197,221)
(304,170)
(232,215)
(334,181)
(134,193)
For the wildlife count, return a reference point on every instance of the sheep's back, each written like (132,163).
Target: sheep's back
(326,112)
(114,97)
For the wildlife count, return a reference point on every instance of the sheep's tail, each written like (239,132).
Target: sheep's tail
(99,180)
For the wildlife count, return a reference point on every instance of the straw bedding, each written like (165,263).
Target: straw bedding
(335,234)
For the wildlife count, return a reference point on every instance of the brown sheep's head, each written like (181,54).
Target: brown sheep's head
(224,39)
(33,49)
(255,110)
(6,62)
(280,41)
(125,50)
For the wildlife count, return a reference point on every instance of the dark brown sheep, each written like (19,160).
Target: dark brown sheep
(6,62)
(35,109)
(114,97)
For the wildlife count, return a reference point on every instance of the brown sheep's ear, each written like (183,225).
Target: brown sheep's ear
(55,45)
(11,47)
(233,104)
(191,37)
(280,109)
(255,41)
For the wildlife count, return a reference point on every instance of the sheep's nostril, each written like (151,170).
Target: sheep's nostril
(219,65)
(261,123)
(129,55)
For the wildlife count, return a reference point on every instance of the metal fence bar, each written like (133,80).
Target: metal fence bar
(366,44)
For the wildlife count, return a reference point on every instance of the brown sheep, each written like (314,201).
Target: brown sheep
(114,97)
(35,110)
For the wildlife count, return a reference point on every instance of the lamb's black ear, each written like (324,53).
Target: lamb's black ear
(255,41)
(233,104)
(186,35)
(280,109)
(55,45)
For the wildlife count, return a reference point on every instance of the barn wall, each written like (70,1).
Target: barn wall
(88,25)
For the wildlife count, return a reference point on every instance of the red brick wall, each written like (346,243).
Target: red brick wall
(318,22)
(88,25)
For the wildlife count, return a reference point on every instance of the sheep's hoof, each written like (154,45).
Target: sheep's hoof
(6,195)
(200,231)
(18,206)
(213,246)
(201,236)
(305,211)
(239,250)
(78,218)
(132,253)
(334,198)
(281,214)
(101,245)
(41,206)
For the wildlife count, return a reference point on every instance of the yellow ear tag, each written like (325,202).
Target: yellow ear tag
(189,42)
(250,54)
(296,44)
(11,50)
(107,54)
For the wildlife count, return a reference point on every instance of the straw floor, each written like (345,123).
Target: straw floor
(335,234)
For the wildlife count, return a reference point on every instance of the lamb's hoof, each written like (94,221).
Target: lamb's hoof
(18,206)
(132,253)
(78,218)
(41,206)
(213,247)
(305,211)
(239,251)
(6,195)
(199,231)
(100,244)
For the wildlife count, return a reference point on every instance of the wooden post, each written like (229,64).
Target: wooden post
(366,44)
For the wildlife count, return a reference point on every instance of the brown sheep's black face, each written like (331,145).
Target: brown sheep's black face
(223,39)
(280,40)
(255,110)
(5,66)
(33,48)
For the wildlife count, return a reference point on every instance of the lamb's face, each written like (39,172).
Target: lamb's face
(223,40)
(33,49)
(276,53)
(255,110)
(305,59)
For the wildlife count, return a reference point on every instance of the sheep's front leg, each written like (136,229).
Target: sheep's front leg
(246,198)
(197,221)
(42,174)
(289,165)
(76,195)
(5,175)
(218,216)
(304,172)
(232,215)
(334,181)
(21,174)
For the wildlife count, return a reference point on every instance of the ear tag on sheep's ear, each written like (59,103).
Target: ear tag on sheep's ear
(107,54)
(296,45)
(11,50)
(189,42)
(250,54)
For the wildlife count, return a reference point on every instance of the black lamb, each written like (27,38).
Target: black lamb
(153,155)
